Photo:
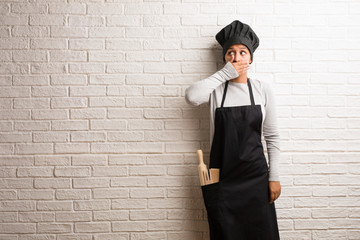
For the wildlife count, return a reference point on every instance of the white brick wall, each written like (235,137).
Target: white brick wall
(97,141)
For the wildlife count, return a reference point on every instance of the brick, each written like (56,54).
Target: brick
(9,43)
(112,236)
(144,147)
(68,102)
(106,32)
(48,68)
(113,215)
(53,228)
(129,204)
(92,227)
(68,79)
(33,148)
(35,172)
(107,9)
(73,194)
(87,91)
(146,171)
(106,79)
(17,206)
(36,217)
(91,205)
(147,215)
(16,183)
(123,21)
(90,113)
(14,20)
(108,148)
(15,92)
(46,20)
(72,148)
(147,193)
(129,226)
(110,171)
(49,114)
(66,56)
(29,56)
(162,44)
(128,182)
(52,183)
(86,44)
(73,216)
(86,21)
(13,68)
(127,159)
(143,9)
(106,56)
(17,228)
(88,159)
(88,137)
(110,193)
(28,8)
(106,102)
(140,102)
(162,113)
(70,125)
(180,8)
(69,8)
(124,113)
(124,67)
(52,160)
(86,68)
(115,44)
(125,91)
(72,172)
(54,205)
(125,136)
(107,124)
(30,31)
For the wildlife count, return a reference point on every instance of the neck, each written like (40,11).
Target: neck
(240,79)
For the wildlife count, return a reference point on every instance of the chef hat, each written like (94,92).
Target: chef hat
(238,33)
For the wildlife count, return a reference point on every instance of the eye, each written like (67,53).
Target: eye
(243,52)
(230,53)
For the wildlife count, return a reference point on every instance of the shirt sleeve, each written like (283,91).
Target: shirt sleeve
(199,92)
(271,133)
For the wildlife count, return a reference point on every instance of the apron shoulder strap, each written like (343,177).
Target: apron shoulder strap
(251,93)
(224,94)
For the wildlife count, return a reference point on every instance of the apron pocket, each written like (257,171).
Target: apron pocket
(214,204)
(211,193)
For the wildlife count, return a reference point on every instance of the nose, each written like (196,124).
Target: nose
(236,57)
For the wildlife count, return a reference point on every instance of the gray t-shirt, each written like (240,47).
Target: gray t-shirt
(210,91)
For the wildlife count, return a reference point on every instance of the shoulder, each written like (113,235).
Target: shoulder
(264,86)
(219,89)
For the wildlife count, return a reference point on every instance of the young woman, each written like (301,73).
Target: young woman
(241,205)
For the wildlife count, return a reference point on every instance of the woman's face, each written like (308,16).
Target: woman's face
(240,53)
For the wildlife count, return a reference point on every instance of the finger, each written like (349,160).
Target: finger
(273,197)
(244,69)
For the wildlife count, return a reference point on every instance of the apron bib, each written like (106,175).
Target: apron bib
(238,205)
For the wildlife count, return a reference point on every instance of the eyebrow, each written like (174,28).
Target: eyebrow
(240,48)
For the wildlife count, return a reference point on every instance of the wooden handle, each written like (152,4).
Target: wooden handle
(214,174)
(200,156)
(202,168)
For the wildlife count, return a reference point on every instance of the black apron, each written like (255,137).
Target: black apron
(238,205)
